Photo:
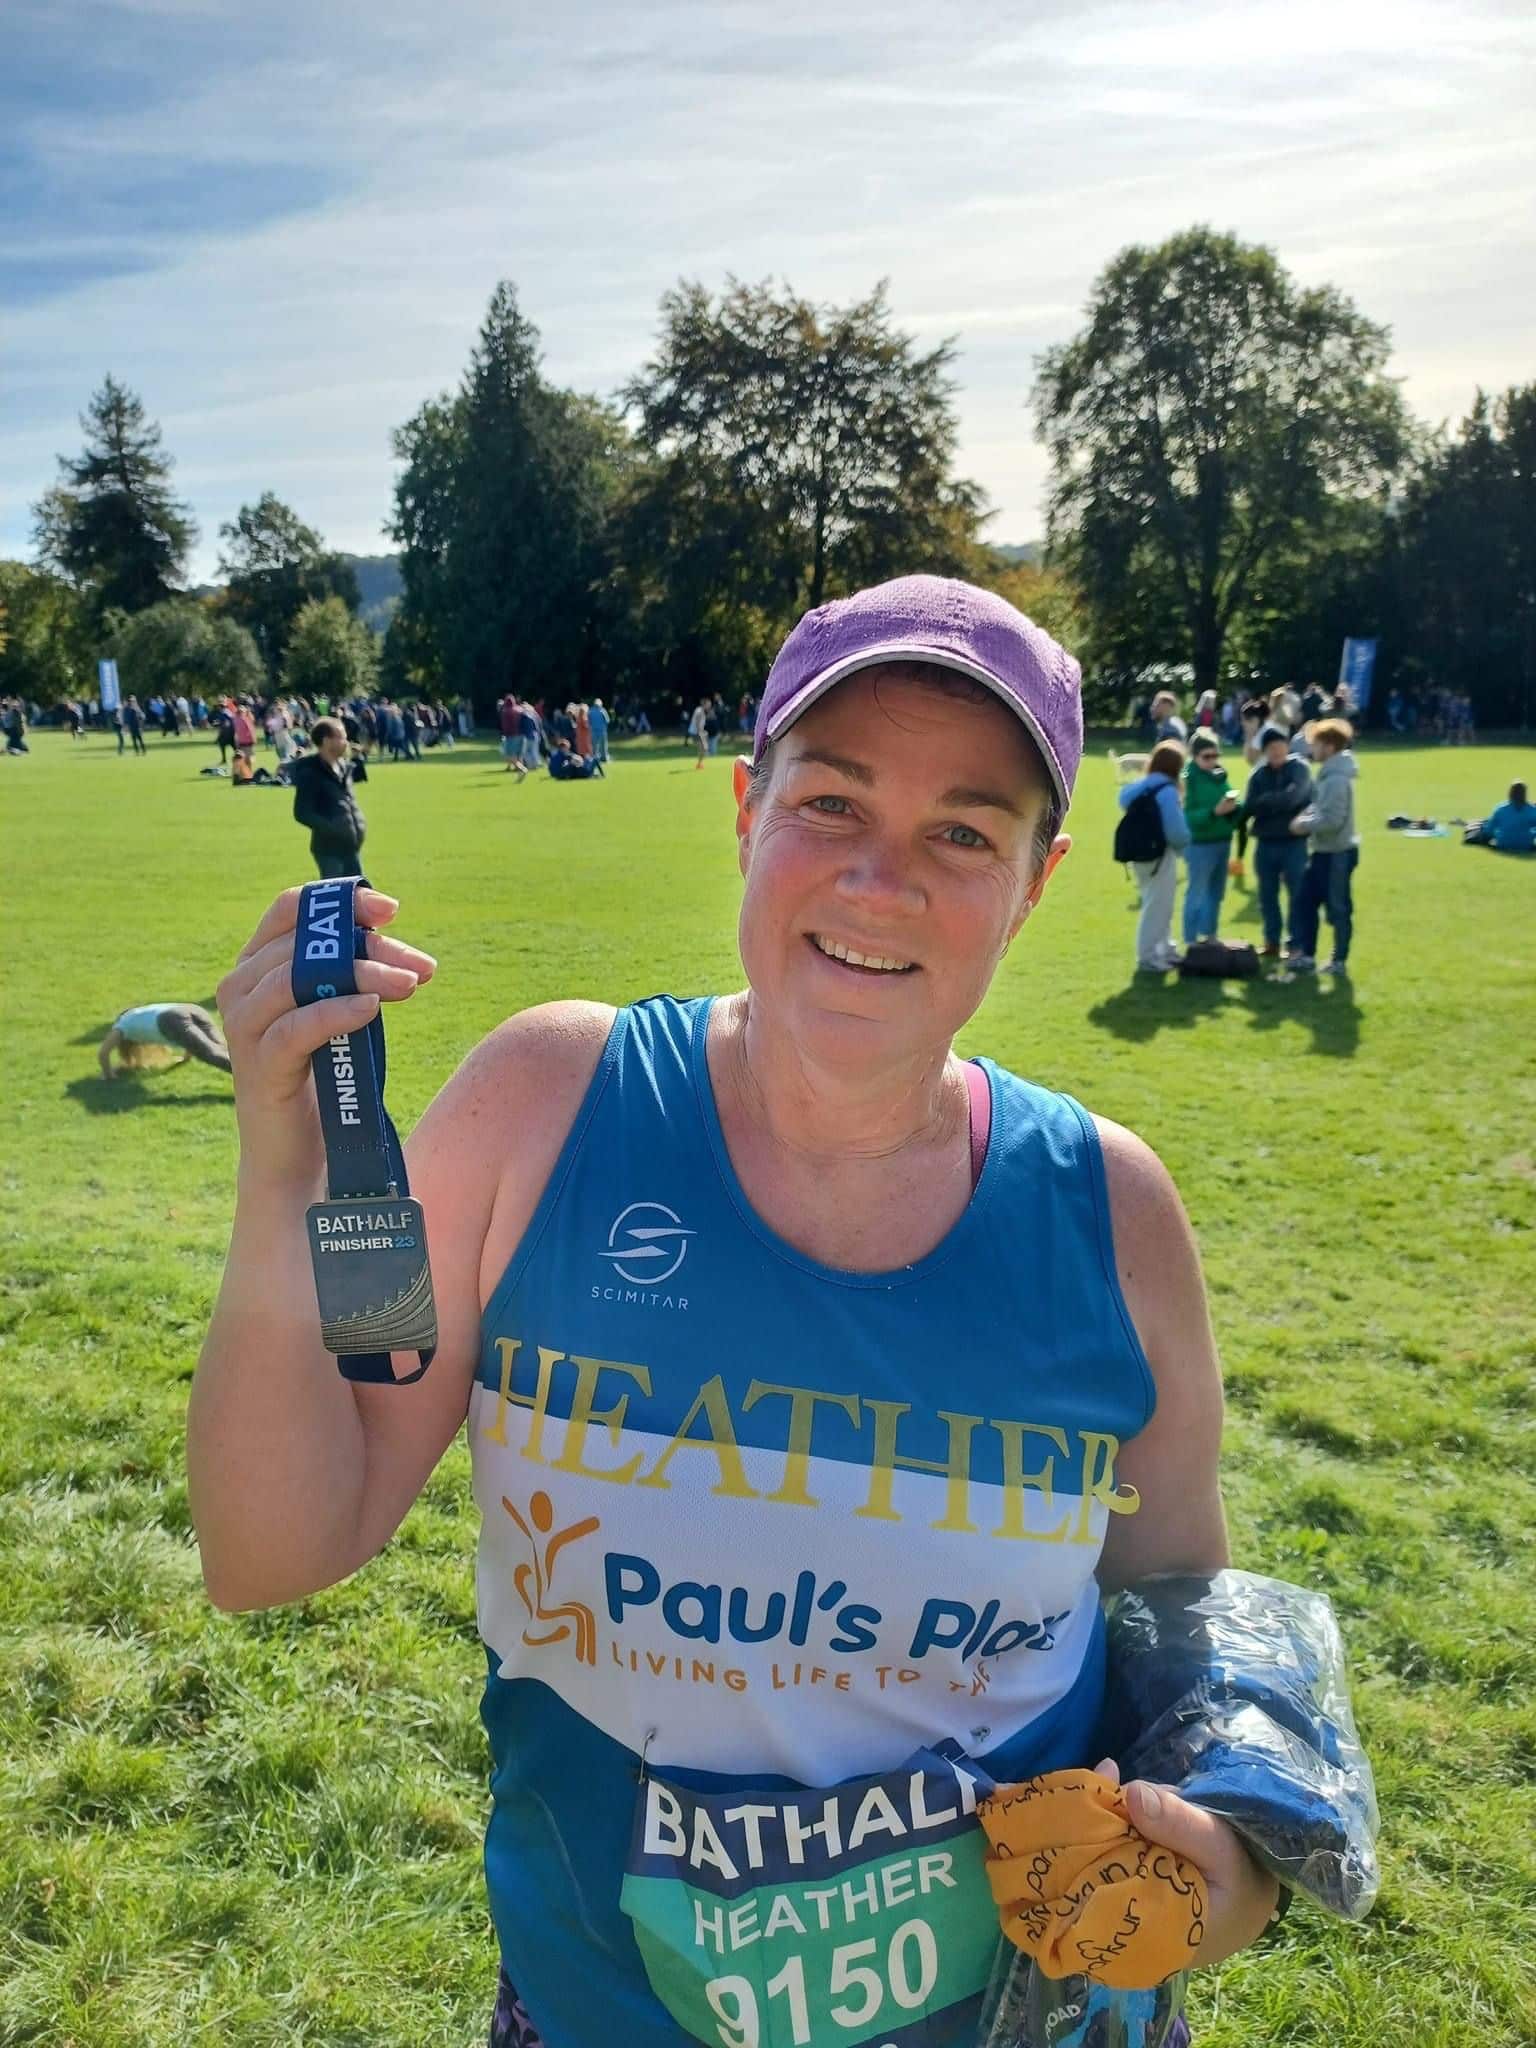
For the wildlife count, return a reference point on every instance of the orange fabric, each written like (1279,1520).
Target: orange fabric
(1081,1891)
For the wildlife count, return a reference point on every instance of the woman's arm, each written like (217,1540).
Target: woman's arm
(296,1475)
(1180,1524)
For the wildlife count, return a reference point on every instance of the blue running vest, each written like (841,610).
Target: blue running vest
(752,1522)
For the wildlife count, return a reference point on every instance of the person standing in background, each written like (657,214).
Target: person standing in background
(583,740)
(1276,802)
(597,717)
(133,722)
(1157,878)
(1210,810)
(323,800)
(1333,849)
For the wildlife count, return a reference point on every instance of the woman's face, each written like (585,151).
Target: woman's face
(899,825)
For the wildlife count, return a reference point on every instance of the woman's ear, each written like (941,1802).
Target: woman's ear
(1061,846)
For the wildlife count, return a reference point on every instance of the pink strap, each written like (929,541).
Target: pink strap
(981,1118)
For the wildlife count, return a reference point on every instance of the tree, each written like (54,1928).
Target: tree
(183,647)
(273,565)
(112,524)
(1198,426)
(500,511)
(1467,530)
(45,637)
(798,451)
(331,655)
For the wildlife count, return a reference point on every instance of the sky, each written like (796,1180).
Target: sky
(280,223)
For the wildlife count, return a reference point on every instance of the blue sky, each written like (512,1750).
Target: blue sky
(280,223)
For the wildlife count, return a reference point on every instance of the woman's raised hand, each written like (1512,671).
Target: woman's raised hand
(271,1037)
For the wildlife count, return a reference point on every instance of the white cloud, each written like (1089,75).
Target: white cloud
(594,155)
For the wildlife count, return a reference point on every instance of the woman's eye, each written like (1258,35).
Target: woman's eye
(830,806)
(964,835)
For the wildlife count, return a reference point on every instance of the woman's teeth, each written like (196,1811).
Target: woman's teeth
(837,951)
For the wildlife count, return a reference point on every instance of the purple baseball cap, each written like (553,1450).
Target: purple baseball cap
(938,619)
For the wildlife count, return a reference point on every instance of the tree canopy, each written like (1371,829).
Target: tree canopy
(273,565)
(797,451)
(182,647)
(45,637)
(330,655)
(112,524)
(1200,427)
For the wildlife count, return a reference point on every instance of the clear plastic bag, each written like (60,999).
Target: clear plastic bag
(1231,1688)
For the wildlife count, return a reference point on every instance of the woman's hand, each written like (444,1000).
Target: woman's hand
(1242,1894)
(271,1037)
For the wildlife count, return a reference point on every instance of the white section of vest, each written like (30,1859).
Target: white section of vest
(635,1596)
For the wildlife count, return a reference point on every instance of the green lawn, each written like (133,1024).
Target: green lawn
(264,1829)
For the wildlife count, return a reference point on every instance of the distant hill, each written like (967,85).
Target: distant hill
(378,588)
(1031,551)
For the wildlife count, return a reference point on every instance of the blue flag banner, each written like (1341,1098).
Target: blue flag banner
(106,679)
(1357,665)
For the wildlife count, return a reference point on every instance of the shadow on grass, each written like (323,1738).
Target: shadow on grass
(1153,1003)
(1327,1008)
(1156,1002)
(133,1091)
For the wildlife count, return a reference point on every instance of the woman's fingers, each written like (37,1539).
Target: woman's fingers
(298,1033)
(279,951)
(273,994)
(373,908)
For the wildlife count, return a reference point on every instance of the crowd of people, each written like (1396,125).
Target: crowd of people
(1306,843)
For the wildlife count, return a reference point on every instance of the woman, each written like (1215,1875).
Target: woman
(583,732)
(1157,878)
(1210,810)
(732,1292)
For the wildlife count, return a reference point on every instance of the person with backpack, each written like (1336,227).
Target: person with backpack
(1148,839)
(1277,799)
(1211,806)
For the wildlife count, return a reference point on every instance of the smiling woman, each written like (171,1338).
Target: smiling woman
(818,1384)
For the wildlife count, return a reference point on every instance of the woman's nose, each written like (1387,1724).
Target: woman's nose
(879,879)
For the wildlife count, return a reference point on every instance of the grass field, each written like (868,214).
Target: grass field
(264,1829)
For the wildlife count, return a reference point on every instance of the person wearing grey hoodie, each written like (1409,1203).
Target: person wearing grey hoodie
(1333,846)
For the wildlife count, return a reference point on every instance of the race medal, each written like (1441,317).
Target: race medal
(856,1913)
(372,1279)
(368,1241)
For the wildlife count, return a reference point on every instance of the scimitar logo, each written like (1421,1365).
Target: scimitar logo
(647,1243)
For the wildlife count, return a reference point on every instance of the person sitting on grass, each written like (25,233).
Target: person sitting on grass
(162,1035)
(566,765)
(1509,829)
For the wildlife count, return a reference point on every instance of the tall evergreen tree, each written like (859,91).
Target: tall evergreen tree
(112,523)
(1468,538)
(499,513)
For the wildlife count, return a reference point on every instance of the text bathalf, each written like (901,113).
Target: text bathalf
(1087,1456)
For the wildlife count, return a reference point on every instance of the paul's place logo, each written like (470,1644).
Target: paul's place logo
(647,1243)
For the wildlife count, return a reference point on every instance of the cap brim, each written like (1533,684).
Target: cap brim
(911,650)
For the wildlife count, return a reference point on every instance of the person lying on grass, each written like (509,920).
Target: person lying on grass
(818,1382)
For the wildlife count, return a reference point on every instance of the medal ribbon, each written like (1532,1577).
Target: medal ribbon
(363,1155)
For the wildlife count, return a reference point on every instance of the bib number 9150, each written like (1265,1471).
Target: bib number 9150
(910,1972)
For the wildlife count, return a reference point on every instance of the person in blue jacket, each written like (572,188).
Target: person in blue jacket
(1157,878)
(1509,829)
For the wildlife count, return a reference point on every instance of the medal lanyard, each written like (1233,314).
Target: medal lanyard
(368,1240)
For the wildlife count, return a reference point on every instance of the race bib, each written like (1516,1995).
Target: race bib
(798,1919)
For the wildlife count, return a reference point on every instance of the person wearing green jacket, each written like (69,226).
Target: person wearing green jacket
(1210,810)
